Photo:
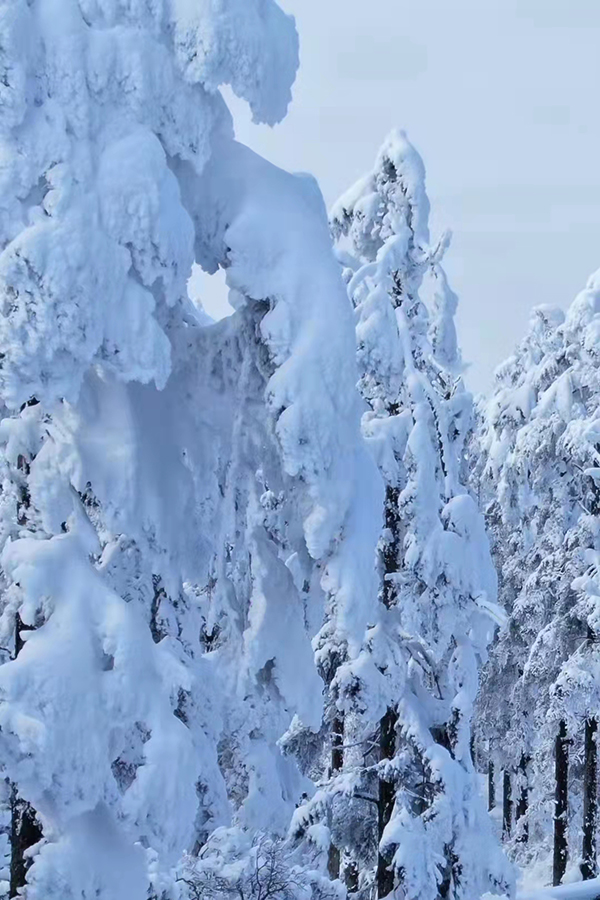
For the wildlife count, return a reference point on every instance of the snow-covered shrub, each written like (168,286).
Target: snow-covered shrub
(233,867)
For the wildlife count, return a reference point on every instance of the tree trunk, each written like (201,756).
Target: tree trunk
(351,877)
(337,762)
(333,861)
(523,801)
(385,803)
(337,743)
(507,805)
(491,786)
(25,830)
(560,804)
(387,727)
(589,868)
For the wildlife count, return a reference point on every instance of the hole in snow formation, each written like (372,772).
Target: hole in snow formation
(35,197)
(264,676)
(125,767)
(210,293)
(183,702)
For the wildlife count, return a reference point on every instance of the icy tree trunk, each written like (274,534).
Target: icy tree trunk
(385,802)
(337,762)
(560,804)
(387,727)
(523,800)
(507,805)
(491,786)
(25,830)
(391,547)
(159,596)
(589,868)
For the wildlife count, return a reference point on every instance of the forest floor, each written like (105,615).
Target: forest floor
(533,882)
(578,890)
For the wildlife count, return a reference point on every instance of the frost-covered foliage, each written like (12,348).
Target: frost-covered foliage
(409,693)
(177,509)
(232,866)
(538,473)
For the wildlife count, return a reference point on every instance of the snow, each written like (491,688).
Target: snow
(253,47)
(580,890)
(270,231)
(178,504)
(438,591)
(230,549)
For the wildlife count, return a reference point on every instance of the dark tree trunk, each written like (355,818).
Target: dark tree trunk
(589,868)
(385,802)
(391,547)
(351,877)
(491,786)
(158,597)
(387,727)
(507,805)
(337,762)
(25,830)
(20,627)
(337,743)
(333,861)
(523,801)
(560,804)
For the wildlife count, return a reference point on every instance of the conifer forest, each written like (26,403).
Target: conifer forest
(287,610)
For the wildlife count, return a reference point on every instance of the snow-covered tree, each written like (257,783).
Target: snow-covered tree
(415,681)
(178,507)
(537,476)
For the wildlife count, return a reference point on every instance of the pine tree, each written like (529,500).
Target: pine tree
(537,480)
(430,628)
(178,504)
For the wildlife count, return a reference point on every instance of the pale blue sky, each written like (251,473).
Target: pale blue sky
(501,99)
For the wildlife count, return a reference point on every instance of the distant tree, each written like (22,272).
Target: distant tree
(537,480)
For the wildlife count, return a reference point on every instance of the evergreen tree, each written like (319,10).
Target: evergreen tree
(177,506)
(537,479)
(432,620)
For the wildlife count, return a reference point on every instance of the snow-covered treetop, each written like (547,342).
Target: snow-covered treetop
(97,98)
(419,413)
(390,200)
(251,46)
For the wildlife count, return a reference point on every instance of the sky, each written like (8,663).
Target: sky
(501,99)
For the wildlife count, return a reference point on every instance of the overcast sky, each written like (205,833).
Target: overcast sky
(501,98)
